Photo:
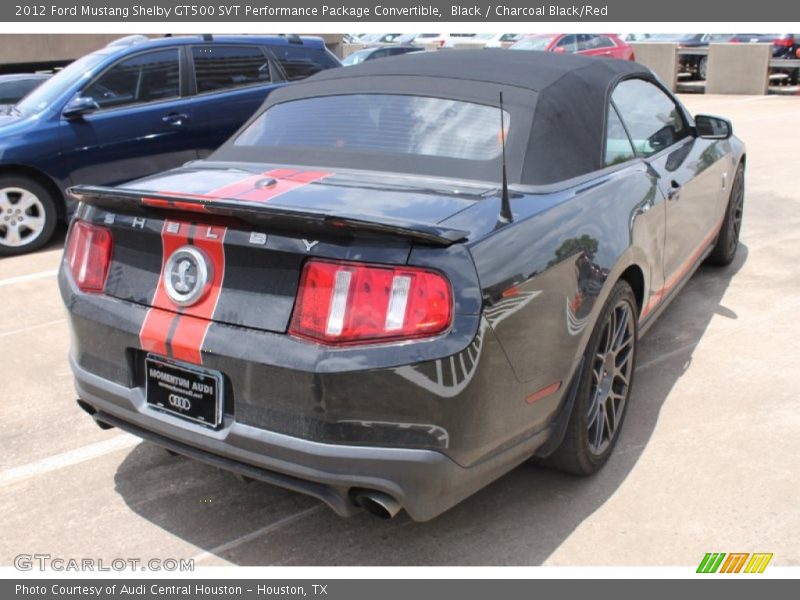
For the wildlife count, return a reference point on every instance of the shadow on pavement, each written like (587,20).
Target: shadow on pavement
(518,520)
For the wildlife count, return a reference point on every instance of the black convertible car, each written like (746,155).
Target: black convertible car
(398,281)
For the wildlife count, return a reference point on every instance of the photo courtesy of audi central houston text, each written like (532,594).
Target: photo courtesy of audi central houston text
(383,285)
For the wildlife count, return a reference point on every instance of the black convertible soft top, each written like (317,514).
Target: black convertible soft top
(558,105)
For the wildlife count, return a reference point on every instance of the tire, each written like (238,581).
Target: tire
(589,440)
(702,68)
(728,238)
(28,215)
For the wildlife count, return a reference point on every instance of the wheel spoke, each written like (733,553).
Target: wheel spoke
(35,224)
(609,334)
(607,422)
(619,375)
(599,427)
(5,201)
(26,201)
(622,327)
(12,236)
(619,405)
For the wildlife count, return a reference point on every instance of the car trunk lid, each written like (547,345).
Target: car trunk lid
(256,226)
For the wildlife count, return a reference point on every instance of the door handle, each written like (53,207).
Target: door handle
(674,192)
(175,119)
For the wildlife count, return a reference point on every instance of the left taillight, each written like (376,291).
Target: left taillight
(89,255)
(352,303)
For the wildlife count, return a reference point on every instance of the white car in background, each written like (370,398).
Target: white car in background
(482,40)
(443,40)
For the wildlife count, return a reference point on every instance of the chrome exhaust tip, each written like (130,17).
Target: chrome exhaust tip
(378,504)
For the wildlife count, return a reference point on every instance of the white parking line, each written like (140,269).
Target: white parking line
(30,277)
(248,537)
(69,458)
(24,329)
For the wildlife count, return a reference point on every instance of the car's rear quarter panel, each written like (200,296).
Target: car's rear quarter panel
(545,276)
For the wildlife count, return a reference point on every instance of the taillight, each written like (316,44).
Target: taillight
(345,302)
(89,255)
(785,41)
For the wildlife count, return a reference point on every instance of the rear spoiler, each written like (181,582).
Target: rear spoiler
(263,214)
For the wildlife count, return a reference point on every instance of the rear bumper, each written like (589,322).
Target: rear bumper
(425,482)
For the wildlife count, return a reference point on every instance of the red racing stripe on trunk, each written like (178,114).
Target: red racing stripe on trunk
(285,182)
(155,328)
(187,338)
(247,188)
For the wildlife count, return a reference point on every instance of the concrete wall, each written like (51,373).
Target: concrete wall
(738,68)
(65,47)
(661,58)
(50,47)
(347,49)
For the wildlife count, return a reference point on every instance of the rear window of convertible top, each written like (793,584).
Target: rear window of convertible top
(381,123)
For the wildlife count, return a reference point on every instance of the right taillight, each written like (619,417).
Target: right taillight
(349,303)
(89,256)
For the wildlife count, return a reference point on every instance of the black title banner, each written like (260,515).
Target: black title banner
(317,11)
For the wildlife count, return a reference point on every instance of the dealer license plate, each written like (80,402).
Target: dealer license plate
(188,392)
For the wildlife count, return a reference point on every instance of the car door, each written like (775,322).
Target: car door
(566,44)
(691,172)
(598,45)
(139,125)
(230,83)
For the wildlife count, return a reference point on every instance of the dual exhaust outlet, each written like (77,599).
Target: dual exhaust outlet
(375,503)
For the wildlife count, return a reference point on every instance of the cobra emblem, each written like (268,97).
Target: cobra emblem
(187,275)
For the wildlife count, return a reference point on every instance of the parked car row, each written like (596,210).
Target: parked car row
(440,40)
(590,44)
(784,45)
(133,108)
(141,105)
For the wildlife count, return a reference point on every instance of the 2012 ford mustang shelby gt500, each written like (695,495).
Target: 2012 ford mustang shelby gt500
(398,281)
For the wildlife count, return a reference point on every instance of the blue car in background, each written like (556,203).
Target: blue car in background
(136,107)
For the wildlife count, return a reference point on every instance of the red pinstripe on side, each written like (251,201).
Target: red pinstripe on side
(657,296)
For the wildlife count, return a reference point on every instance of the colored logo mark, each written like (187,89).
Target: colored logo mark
(735,562)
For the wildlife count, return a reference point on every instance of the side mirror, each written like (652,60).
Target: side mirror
(560,50)
(712,128)
(79,106)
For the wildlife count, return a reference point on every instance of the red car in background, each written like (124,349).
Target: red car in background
(590,44)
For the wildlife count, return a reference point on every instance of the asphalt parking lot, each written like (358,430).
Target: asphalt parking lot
(707,461)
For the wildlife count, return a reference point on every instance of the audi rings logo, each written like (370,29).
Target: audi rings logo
(179,402)
(187,275)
